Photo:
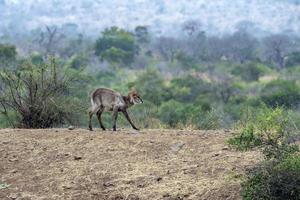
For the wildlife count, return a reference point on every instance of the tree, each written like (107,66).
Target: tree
(240,47)
(225,87)
(191,27)
(281,93)
(249,71)
(8,54)
(116,46)
(215,48)
(276,48)
(168,47)
(38,94)
(293,59)
(151,86)
(142,34)
(49,39)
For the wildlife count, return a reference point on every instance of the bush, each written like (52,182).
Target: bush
(274,180)
(38,94)
(116,45)
(151,86)
(188,88)
(207,120)
(281,93)
(171,113)
(78,61)
(293,59)
(246,139)
(267,129)
(250,71)
(8,54)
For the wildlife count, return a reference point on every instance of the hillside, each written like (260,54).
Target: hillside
(164,17)
(152,164)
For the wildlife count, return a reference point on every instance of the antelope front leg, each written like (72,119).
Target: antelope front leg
(129,120)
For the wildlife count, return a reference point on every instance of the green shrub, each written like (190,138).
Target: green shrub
(246,140)
(274,180)
(188,88)
(78,61)
(151,87)
(39,94)
(250,71)
(281,93)
(172,112)
(293,59)
(266,128)
(207,120)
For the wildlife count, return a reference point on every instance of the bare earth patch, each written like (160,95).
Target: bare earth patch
(151,164)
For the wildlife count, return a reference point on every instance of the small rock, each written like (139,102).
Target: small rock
(108,184)
(5,142)
(166,195)
(13,159)
(77,157)
(177,146)
(158,179)
(225,148)
(14,196)
(132,197)
(94,192)
(216,154)
(141,185)
(71,128)
(67,187)
(14,171)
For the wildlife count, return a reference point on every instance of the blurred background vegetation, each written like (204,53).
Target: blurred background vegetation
(192,81)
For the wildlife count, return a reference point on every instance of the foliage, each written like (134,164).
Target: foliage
(281,93)
(293,59)
(209,79)
(186,61)
(152,87)
(38,93)
(246,139)
(268,130)
(8,54)
(249,71)
(142,34)
(279,176)
(116,46)
(171,113)
(274,180)
(4,186)
(78,61)
(207,120)
(188,88)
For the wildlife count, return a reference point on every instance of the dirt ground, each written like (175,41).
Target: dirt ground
(150,164)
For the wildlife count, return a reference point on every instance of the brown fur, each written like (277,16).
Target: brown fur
(104,99)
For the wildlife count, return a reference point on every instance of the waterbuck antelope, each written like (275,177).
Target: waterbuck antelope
(104,99)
